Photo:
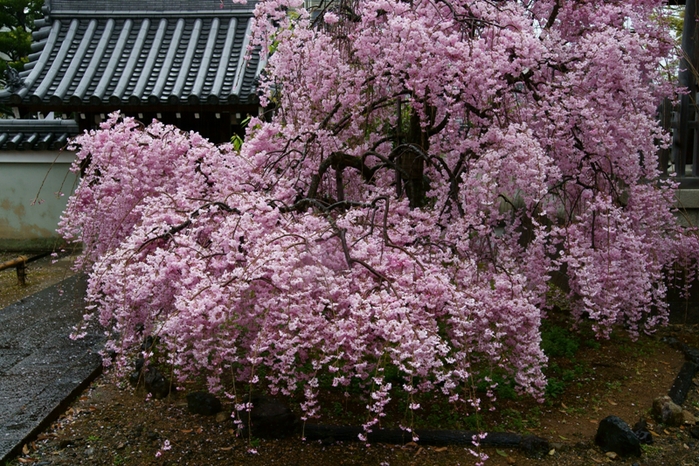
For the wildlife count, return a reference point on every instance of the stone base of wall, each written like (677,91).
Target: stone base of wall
(31,245)
(688,205)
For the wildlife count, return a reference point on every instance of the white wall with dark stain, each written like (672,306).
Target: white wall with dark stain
(31,203)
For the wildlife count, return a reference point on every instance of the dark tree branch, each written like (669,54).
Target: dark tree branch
(187,223)
(553,15)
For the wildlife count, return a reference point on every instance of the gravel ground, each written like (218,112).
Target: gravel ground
(112,423)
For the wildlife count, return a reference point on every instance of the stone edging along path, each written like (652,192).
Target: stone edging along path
(272,419)
(616,437)
(683,382)
(41,368)
(23,322)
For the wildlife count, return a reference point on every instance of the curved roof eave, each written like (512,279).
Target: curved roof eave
(97,58)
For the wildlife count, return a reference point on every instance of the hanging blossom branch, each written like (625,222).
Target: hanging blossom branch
(428,168)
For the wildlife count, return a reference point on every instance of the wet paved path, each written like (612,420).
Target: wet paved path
(41,368)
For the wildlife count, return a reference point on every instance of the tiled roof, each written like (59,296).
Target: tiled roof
(36,134)
(139,52)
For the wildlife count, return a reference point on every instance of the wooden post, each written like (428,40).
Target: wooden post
(21,265)
(665,117)
(22,273)
(687,78)
(694,128)
(676,149)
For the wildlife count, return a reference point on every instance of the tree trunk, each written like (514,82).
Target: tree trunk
(412,165)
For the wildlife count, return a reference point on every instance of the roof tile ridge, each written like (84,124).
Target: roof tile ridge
(149,13)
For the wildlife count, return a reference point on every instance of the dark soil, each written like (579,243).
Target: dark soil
(112,423)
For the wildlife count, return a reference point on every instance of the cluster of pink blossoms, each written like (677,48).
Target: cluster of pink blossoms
(430,167)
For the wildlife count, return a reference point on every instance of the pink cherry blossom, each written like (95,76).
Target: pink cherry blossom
(433,173)
(330,18)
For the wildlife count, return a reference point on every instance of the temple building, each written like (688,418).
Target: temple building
(184,62)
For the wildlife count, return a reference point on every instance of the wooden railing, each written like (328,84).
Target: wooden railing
(20,264)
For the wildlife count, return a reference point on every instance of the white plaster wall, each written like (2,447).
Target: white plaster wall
(30,200)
